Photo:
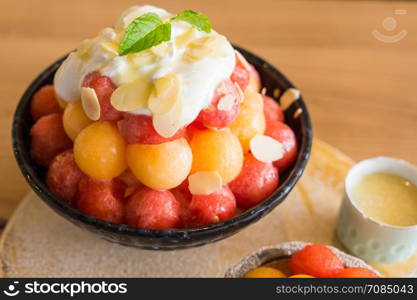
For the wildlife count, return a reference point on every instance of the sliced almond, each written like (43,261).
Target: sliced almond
(298,113)
(226,102)
(90,103)
(132,95)
(243,61)
(142,58)
(110,48)
(289,96)
(108,33)
(162,49)
(84,48)
(276,93)
(168,124)
(165,94)
(239,89)
(222,88)
(265,148)
(204,182)
(263,91)
(206,46)
(184,38)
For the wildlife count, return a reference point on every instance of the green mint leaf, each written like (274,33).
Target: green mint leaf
(198,20)
(144,32)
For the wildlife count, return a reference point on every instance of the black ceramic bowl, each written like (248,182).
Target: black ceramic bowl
(163,239)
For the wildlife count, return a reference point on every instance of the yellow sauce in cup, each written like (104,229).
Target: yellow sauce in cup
(387,198)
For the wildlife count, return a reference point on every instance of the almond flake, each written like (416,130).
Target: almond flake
(298,113)
(222,88)
(239,89)
(90,103)
(162,49)
(168,124)
(226,102)
(289,96)
(165,94)
(84,48)
(108,33)
(263,91)
(185,38)
(276,93)
(265,148)
(243,60)
(204,183)
(206,46)
(254,80)
(110,48)
(143,58)
(132,95)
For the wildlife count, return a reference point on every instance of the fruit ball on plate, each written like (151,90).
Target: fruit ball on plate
(312,261)
(160,134)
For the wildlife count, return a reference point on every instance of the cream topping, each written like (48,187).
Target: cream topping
(198,60)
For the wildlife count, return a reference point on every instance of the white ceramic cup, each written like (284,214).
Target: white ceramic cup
(368,238)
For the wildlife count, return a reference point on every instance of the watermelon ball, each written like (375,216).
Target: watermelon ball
(184,196)
(356,273)
(104,87)
(44,103)
(283,134)
(255,183)
(272,111)
(193,128)
(63,177)
(316,260)
(153,209)
(48,139)
(224,106)
(138,129)
(103,199)
(240,74)
(129,179)
(211,208)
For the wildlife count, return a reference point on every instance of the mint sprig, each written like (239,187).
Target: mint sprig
(144,32)
(198,20)
(149,30)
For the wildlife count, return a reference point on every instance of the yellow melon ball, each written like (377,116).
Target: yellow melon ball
(301,276)
(161,166)
(265,272)
(251,119)
(100,150)
(75,119)
(217,151)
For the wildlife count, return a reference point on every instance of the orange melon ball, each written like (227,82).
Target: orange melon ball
(251,119)
(265,272)
(301,276)
(100,150)
(75,119)
(161,166)
(217,151)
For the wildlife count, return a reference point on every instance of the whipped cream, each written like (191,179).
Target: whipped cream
(200,60)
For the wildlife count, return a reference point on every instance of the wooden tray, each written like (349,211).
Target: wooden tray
(39,243)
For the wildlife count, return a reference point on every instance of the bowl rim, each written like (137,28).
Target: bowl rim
(246,217)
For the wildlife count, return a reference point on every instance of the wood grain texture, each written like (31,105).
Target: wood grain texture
(361,92)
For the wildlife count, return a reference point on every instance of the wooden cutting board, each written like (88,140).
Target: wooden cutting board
(39,243)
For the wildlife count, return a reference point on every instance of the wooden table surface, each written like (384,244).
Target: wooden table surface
(361,91)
